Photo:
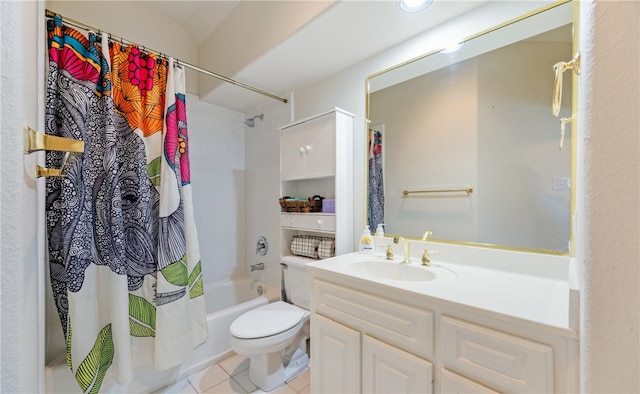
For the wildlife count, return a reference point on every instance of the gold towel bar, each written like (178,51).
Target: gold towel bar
(468,190)
(37,141)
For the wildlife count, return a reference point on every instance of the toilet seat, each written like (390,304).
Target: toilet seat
(267,320)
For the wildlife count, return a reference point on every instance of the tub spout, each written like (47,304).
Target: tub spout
(257,267)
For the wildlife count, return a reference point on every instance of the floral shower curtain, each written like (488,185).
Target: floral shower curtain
(123,250)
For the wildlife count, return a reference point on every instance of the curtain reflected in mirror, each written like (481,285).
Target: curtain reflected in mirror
(376,178)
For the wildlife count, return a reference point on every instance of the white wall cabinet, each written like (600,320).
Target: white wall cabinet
(405,344)
(316,158)
(308,149)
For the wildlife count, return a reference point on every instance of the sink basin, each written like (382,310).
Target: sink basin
(392,271)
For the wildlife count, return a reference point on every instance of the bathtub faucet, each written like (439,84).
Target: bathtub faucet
(257,267)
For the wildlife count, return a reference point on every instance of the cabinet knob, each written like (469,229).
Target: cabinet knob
(307,148)
(319,222)
(302,149)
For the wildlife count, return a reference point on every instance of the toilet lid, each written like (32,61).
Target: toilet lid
(266,320)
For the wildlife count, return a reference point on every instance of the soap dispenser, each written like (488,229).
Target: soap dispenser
(366,241)
(380,230)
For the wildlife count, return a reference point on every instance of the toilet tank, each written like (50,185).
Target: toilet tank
(297,281)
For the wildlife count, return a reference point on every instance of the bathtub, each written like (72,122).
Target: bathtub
(225,301)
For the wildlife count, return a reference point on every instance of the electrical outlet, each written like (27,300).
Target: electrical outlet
(560,183)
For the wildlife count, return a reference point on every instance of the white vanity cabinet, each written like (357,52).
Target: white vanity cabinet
(371,339)
(316,158)
(388,343)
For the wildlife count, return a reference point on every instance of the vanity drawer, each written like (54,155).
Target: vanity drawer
(512,363)
(400,325)
(309,221)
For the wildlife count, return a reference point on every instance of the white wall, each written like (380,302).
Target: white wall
(518,145)
(608,230)
(216,143)
(262,163)
(21,253)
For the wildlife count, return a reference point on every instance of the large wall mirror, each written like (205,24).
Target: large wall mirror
(464,142)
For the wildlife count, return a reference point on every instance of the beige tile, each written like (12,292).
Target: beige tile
(284,389)
(306,390)
(243,379)
(229,386)
(208,378)
(180,387)
(235,364)
(301,381)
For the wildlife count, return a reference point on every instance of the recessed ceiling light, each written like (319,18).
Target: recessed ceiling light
(414,6)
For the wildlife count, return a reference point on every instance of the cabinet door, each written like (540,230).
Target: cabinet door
(335,356)
(293,152)
(386,369)
(320,146)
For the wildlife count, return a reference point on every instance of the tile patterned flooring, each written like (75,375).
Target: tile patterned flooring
(231,375)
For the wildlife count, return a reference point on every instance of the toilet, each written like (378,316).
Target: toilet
(274,336)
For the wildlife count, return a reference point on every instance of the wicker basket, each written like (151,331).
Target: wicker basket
(312,204)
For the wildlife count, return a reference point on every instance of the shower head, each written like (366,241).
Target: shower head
(251,121)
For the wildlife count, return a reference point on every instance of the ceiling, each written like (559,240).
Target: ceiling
(328,37)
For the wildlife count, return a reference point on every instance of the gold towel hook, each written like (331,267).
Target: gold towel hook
(35,141)
(560,68)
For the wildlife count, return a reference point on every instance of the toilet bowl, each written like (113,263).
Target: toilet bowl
(274,337)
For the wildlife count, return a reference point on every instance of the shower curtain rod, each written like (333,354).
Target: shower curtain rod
(51,14)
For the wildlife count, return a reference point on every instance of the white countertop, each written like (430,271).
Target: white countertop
(532,298)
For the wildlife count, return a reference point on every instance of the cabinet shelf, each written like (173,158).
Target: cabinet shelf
(308,178)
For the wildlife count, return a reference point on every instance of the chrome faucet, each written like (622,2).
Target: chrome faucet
(257,267)
(406,246)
